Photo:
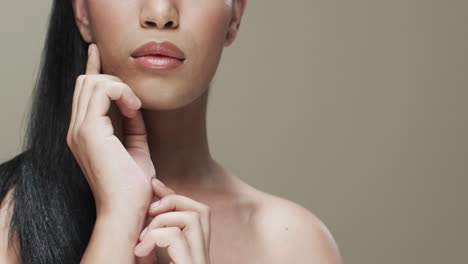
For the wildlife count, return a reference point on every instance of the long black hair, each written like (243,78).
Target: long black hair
(54,210)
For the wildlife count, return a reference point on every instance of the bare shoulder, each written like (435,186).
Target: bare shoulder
(290,233)
(7,254)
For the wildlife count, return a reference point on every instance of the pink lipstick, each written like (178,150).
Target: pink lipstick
(159,55)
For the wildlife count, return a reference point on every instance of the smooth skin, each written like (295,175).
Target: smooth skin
(179,224)
(206,214)
(119,174)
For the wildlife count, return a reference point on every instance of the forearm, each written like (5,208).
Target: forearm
(113,239)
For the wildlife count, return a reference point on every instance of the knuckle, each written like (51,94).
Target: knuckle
(91,80)
(103,86)
(170,198)
(82,132)
(174,231)
(68,139)
(72,139)
(101,83)
(205,210)
(87,79)
(111,77)
(115,78)
(80,78)
(122,87)
(126,87)
(195,216)
(115,86)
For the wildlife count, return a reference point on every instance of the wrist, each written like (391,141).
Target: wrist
(113,239)
(122,207)
(129,218)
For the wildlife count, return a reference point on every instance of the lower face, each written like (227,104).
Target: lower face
(118,29)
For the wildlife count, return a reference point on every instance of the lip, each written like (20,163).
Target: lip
(158,62)
(154,48)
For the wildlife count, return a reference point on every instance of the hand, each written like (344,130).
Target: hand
(119,174)
(180,224)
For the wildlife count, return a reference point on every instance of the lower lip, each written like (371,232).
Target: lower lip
(159,62)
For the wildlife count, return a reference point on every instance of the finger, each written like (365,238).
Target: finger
(176,202)
(190,224)
(170,237)
(134,133)
(93,65)
(103,93)
(88,87)
(186,221)
(160,189)
(149,259)
(76,95)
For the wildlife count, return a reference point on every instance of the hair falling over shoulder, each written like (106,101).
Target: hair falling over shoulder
(54,210)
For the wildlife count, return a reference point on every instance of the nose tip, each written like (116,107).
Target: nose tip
(159,14)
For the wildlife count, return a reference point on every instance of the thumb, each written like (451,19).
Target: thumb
(94,61)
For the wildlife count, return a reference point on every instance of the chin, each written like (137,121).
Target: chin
(168,98)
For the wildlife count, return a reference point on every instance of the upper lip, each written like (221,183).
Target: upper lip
(165,48)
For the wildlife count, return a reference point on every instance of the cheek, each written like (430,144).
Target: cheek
(207,29)
(201,33)
(209,23)
(110,18)
(113,22)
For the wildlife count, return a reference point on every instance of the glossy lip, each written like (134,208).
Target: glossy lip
(158,62)
(154,48)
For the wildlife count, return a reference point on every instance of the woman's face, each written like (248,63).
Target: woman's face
(199,29)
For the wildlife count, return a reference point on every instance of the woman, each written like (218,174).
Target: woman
(82,188)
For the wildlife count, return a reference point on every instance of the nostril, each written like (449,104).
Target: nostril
(150,23)
(169,24)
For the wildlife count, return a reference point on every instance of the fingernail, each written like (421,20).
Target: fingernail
(155,205)
(90,50)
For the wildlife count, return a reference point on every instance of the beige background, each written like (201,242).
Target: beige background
(355,109)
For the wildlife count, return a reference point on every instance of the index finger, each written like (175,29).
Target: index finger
(94,62)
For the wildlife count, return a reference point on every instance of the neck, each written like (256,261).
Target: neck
(178,144)
(179,149)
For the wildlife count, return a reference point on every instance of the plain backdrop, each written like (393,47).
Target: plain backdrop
(355,109)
